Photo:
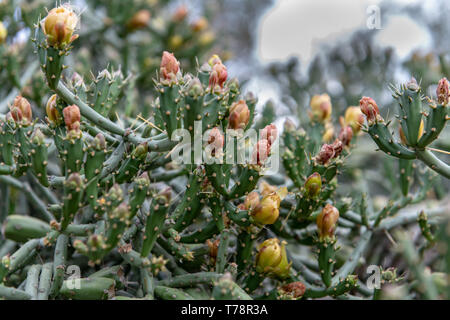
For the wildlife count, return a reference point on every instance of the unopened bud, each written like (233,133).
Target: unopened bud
(37,137)
(72,117)
(269,255)
(140,152)
(216,141)
(313,185)
(354,118)
(164,196)
(52,111)
(194,88)
(214,60)
(269,133)
(121,212)
(115,193)
(326,222)
(169,67)
(74,181)
(267,211)
(143,180)
(213,248)
(370,109)
(218,76)
(239,115)
(139,20)
(59,26)
(21,111)
(325,154)
(99,142)
(267,189)
(442,91)
(346,135)
(261,152)
(338,146)
(289,125)
(321,107)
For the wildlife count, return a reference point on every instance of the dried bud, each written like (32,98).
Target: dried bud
(326,222)
(338,146)
(169,67)
(346,135)
(293,290)
(313,185)
(269,133)
(218,76)
(21,111)
(52,111)
(267,211)
(354,118)
(200,24)
(72,117)
(59,26)
(329,132)
(3,33)
(239,115)
(213,248)
(37,137)
(442,91)
(261,152)
(370,109)
(272,258)
(325,154)
(251,200)
(180,14)
(216,141)
(139,20)
(321,107)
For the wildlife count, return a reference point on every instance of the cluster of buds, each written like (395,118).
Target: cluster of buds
(272,258)
(170,68)
(321,108)
(59,26)
(20,111)
(329,151)
(370,109)
(326,222)
(72,118)
(218,74)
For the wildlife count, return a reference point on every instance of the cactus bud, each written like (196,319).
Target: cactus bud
(346,135)
(326,222)
(37,137)
(51,110)
(218,75)
(99,142)
(59,26)
(233,85)
(214,60)
(239,115)
(169,67)
(329,132)
(115,193)
(195,88)
(200,24)
(269,133)
(139,20)
(370,109)
(251,200)
(21,110)
(216,141)
(74,181)
(267,211)
(122,212)
(165,195)
(325,154)
(140,152)
(321,107)
(180,14)
(3,33)
(313,185)
(72,117)
(261,152)
(213,248)
(338,146)
(442,91)
(293,290)
(354,118)
(269,255)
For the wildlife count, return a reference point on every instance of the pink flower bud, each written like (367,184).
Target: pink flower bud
(338,146)
(369,108)
(218,75)
(21,110)
(346,135)
(216,141)
(442,91)
(325,154)
(169,66)
(269,133)
(239,115)
(72,117)
(261,152)
(326,221)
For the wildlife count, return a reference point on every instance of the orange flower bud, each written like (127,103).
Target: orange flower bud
(169,67)
(442,91)
(370,109)
(326,221)
(52,112)
(139,20)
(239,115)
(21,110)
(59,26)
(72,117)
(321,107)
(218,76)
(354,118)
(261,152)
(269,133)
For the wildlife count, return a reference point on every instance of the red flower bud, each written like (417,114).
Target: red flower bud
(369,108)
(239,115)
(442,91)
(72,117)
(325,154)
(169,66)
(261,152)
(269,133)
(338,146)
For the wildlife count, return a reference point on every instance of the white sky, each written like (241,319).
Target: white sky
(296,27)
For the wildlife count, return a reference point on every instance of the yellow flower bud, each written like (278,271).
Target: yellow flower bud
(267,211)
(284,267)
(272,258)
(321,107)
(326,222)
(329,132)
(59,26)
(51,110)
(354,118)
(3,33)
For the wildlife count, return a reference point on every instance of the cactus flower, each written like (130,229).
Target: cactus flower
(321,107)
(169,67)
(267,211)
(370,109)
(218,75)
(269,133)
(442,91)
(239,115)
(261,152)
(72,117)
(21,111)
(272,258)
(313,185)
(52,112)
(139,20)
(59,26)
(326,222)
(354,118)
(3,33)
